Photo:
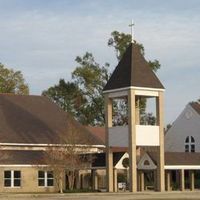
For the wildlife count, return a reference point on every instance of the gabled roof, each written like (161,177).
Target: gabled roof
(196,106)
(37,120)
(149,165)
(133,70)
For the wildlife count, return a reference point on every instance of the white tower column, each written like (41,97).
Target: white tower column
(160,152)
(132,141)
(109,153)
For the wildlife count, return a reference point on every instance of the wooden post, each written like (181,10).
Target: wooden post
(94,179)
(115,180)
(141,181)
(138,180)
(191,180)
(132,141)
(182,180)
(168,180)
(155,179)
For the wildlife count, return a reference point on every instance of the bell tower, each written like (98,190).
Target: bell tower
(133,80)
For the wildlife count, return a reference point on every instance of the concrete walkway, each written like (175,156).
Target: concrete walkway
(105,196)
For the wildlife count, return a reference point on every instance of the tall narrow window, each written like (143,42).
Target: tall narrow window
(12,178)
(45,178)
(189,144)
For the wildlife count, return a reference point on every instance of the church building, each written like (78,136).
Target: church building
(127,145)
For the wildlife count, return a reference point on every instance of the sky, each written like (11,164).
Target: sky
(42,38)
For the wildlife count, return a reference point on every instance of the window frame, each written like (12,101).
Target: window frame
(190,144)
(13,178)
(45,178)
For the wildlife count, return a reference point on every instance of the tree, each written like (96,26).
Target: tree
(91,78)
(67,95)
(120,111)
(66,161)
(121,41)
(68,158)
(12,81)
(125,163)
(147,119)
(168,127)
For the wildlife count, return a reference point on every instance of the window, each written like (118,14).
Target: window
(12,178)
(189,144)
(45,178)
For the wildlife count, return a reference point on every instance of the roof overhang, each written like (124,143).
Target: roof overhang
(175,167)
(133,87)
(51,145)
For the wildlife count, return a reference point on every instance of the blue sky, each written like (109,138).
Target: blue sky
(42,38)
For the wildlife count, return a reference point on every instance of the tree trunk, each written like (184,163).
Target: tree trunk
(61,185)
(61,182)
(71,178)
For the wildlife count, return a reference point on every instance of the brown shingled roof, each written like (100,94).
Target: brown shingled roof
(37,120)
(196,106)
(19,157)
(178,158)
(133,70)
(99,132)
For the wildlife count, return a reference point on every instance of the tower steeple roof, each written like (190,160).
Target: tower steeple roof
(133,71)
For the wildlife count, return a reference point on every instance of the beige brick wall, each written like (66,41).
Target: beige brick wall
(29,181)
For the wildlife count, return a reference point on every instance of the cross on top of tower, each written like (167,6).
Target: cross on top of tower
(131,25)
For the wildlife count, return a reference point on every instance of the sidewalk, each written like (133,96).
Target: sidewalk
(105,196)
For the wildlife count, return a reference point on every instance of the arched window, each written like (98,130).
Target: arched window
(189,144)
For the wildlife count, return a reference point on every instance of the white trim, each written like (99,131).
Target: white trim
(10,165)
(133,87)
(182,167)
(146,93)
(102,167)
(119,164)
(123,93)
(46,145)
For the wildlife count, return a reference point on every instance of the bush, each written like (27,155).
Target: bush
(121,178)
(79,190)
